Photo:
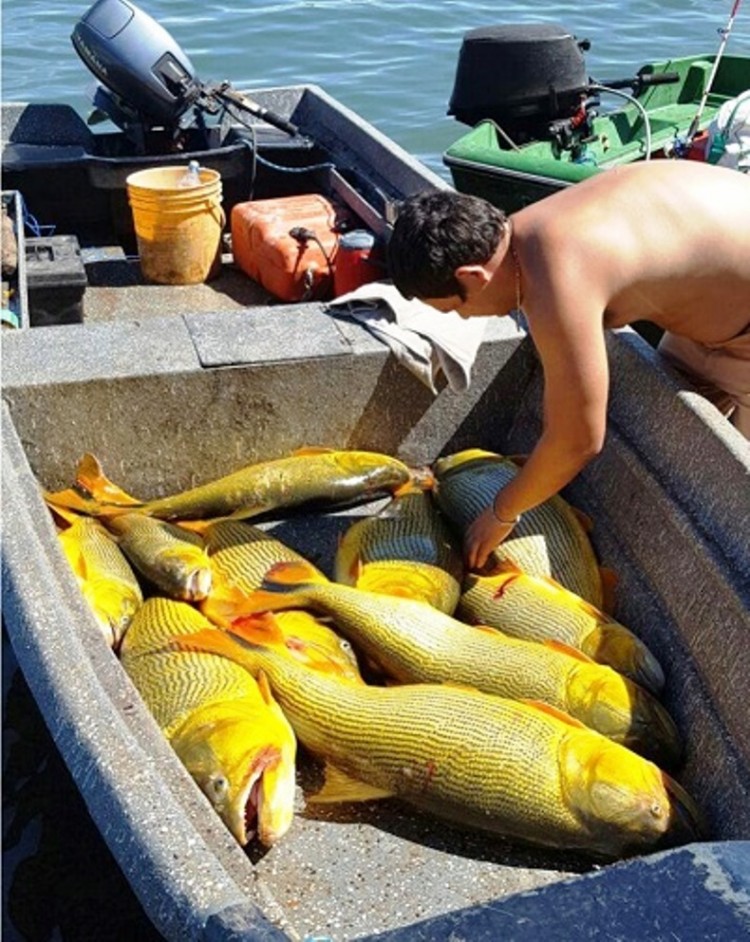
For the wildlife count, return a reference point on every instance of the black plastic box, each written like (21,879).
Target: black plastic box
(56,280)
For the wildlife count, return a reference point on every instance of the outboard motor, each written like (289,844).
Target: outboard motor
(147,80)
(521,77)
(146,74)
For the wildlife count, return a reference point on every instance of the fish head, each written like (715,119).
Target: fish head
(114,604)
(244,762)
(186,572)
(611,643)
(613,705)
(377,472)
(625,801)
(311,642)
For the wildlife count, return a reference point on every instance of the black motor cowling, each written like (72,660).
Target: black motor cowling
(522,77)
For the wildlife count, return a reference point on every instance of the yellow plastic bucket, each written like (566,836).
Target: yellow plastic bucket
(178,229)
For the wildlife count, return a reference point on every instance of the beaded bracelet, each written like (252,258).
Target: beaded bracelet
(505,523)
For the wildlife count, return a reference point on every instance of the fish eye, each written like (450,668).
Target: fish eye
(345,646)
(217,787)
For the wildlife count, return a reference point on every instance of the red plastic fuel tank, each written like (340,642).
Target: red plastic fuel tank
(360,259)
(289,244)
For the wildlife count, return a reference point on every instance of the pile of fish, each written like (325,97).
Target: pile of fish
(506,700)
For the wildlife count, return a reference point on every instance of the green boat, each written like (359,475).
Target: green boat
(538,124)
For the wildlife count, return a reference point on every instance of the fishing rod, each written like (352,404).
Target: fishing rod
(725,31)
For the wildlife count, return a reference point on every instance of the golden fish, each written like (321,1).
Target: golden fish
(407,550)
(413,642)
(173,559)
(308,477)
(240,554)
(104,575)
(226,728)
(536,608)
(549,540)
(522,770)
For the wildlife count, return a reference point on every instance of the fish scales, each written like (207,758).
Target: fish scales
(169,556)
(242,553)
(417,741)
(174,683)
(240,556)
(539,609)
(223,725)
(549,540)
(415,643)
(335,477)
(104,575)
(407,550)
(492,763)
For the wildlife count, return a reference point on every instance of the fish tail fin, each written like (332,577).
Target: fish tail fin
(421,479)
(225,602)
(71,499)
(90,476)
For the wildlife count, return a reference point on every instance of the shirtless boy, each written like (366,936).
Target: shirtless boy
(666,241)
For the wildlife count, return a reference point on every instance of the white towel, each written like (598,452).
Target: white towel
(424,340)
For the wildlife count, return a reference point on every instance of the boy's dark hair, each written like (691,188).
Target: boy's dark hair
(434,234)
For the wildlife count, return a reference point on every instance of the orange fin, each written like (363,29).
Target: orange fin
(200,527)
(609,587)
(563,648)
(90,476)
(312,450)
(341,787)
(293,572)
(558,714)
(225,602)
(408,487)
(73,499)
(260,629)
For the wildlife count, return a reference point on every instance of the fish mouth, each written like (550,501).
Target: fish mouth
(686,821)
(198,584)
(269,801)
(647,672)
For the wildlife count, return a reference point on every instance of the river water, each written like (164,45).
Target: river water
(393,62)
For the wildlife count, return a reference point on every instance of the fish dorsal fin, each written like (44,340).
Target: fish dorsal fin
(341,787)
(308,450)
(91,477)
(563,648)
(558,714)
